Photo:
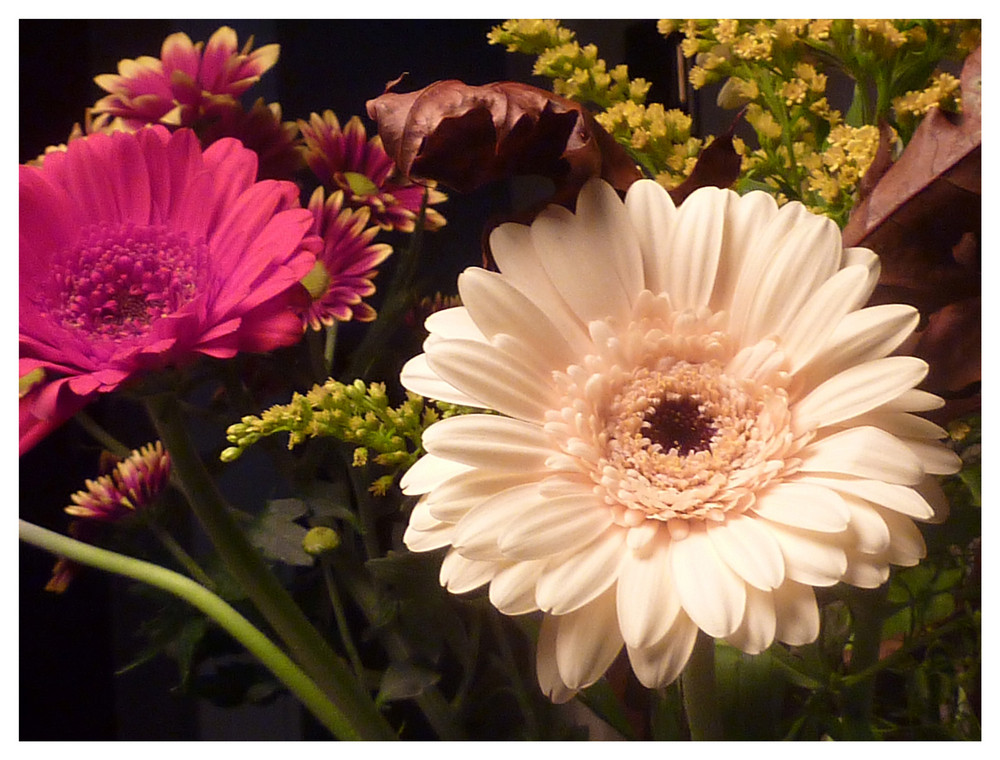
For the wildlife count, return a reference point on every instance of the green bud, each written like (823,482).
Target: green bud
(320,540)
(231,454)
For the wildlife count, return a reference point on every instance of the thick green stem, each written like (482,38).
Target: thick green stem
(868,611)
(698,687)
(245,564)
(198,596)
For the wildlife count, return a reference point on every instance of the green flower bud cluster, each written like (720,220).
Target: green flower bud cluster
(356,414)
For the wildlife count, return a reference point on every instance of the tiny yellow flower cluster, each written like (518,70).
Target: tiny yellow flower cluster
(661,136)
(356,414)
(577,71)
(531,36)
(776,69)
(943,92)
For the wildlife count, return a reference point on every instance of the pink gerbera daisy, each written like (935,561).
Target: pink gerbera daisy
(346,265)
(346,159)
(187,82)
(139,251)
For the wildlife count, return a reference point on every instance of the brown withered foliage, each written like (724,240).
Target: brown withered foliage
(923,217)
(465,136)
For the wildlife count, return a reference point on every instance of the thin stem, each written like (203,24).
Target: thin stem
(180,554)
(204,600)
(338,613)
(102,436)
(247,567)
(698,688)
(329,348)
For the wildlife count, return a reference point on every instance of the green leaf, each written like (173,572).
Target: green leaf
(602,699)
(402,680)
(278,535)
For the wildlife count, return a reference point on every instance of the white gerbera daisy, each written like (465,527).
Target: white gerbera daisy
(698,423)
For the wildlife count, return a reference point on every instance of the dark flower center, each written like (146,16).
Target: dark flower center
(676,422)
(117,281)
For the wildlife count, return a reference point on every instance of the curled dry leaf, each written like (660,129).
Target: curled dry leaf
(923,218)
(465,136)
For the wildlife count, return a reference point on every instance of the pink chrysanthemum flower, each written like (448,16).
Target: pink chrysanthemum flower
(134,483)
(346,265)
(698,424)
(186,83)
(140,251)
(346,159)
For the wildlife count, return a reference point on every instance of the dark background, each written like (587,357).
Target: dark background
(72,644)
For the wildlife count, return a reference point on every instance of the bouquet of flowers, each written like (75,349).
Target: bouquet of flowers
(698,434)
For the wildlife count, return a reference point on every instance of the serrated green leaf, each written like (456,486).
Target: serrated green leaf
(402,680)
(276,533)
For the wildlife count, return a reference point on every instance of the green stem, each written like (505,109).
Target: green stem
(698,688)
(211,605)
(329,347)
(245,564)
(868,612)
(338,612)
(178,553)
(102,436)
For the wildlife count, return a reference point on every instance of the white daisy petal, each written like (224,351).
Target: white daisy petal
(865,452)
(455,322)
(429,473)
(653,216)
(428,540)
(478,533)
(788,263)
(906,542)
(488,441)
(460,574)
(496,306)
(418,377)
(900,424)
(512,590)
(450,501)
(866,570)
(803,505)
(756,632)
(521,265)
(587,641)
(796,614)
(574,581)
(597,268)
(858,390)
(869,533)
(647,597)
(750,550)
(810,328)
(690,277)
(902,499)
(809,558)
(861,336)
(712,595)
(745,221)
(547,670)
(934,458)
(660,663)
(495,379)
(560,524)
(915,400)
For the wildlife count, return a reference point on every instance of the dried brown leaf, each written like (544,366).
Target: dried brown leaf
(717,166)
(465,136)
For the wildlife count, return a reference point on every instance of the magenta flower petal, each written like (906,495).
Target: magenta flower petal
(138,251)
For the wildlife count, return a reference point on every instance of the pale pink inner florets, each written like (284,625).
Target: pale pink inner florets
(667,424)
(118,280)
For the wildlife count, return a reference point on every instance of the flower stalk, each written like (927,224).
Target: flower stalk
(698,689)
(307,646)
(303,687)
